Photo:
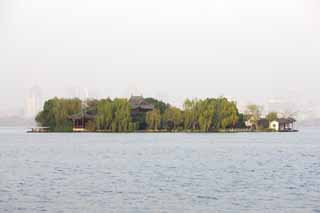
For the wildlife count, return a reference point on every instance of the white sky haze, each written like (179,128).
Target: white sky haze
(252,50)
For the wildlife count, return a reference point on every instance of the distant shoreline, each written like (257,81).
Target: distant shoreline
(164,131)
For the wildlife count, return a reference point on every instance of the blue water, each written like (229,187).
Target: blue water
(245,172)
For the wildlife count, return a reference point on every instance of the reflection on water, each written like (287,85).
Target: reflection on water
(247,172)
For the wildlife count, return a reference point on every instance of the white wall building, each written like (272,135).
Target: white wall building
(283,124)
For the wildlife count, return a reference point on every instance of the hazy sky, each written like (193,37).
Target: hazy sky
(252,50)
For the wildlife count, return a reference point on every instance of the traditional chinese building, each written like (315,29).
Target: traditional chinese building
(138,105)
(80,120)
(139,108)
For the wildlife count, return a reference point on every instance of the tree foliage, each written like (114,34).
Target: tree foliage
(113,115)
(209,114)
(160,105)
(272,116)
(153,119)
(172,118)
(105,114)
(191,114)
(55,113)
(253,113)
(116,116)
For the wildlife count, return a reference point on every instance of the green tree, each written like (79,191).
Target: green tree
(206,113)
(115,115)
(230,114)
(241,121)
(272,116)
(191,114)
(104,115)
(91,126)
(226,113)
(172,118)
(55,113)
(153,119)
(122,116)
(160,105)
(253,113)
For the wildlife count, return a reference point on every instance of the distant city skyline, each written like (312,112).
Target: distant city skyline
(251,51)
(36,96)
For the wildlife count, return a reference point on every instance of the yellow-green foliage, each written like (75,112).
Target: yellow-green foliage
(56,111)
(153,119)
(115,115)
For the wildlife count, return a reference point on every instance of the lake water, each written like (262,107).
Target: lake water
(245,172)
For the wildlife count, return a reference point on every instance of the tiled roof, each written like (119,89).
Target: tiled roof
(80,115)
(286,120)
(137,102)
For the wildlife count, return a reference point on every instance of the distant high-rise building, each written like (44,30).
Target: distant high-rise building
(33,102)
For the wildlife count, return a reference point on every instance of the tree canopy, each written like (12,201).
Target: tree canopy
(113,115)
(253,113)
(116,115)
(272,116)
(56,111)
(153,119)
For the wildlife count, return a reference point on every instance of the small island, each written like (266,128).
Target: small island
(139,114)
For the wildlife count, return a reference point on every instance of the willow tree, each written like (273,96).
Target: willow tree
(206,113)
(172,118)
(153,119)
(122,116)
(113,115)
(55,113)
(229,114)
(104,115)
(191,114)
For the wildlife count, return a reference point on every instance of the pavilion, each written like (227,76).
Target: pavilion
(283,125)
(138,105)
(80,120)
